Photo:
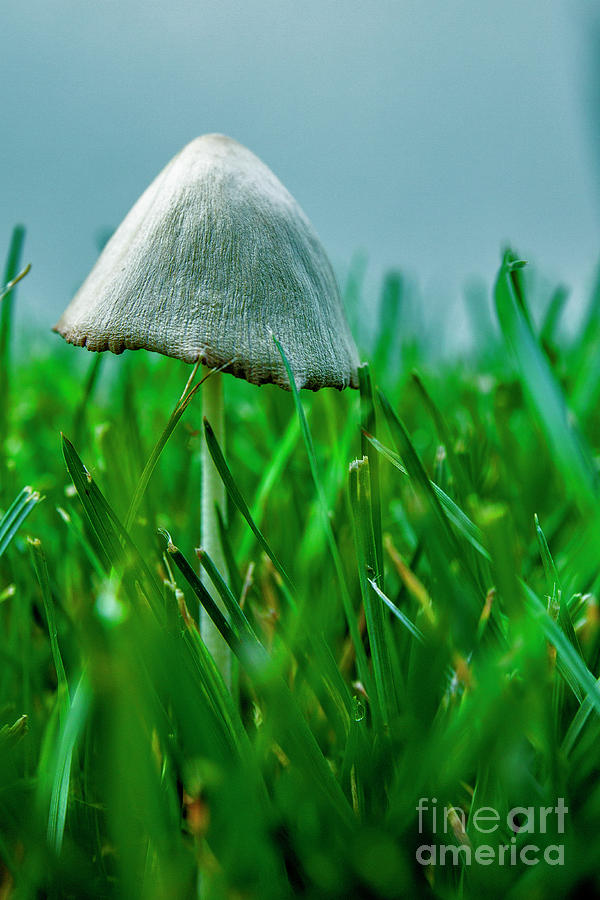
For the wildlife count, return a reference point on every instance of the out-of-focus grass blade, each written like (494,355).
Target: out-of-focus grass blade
(568,450)
(391,303)
(75,526)
(356,755)
(586,374)
(8,288)
(410,626)
(70,732)
(580,720)
(41,570)
(235,495)
(88,390)
(361,659)
(232,570)
(271,476)
(116,543)
(11,278)
(16,515)
(552,315)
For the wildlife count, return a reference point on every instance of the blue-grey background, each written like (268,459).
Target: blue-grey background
(421,133)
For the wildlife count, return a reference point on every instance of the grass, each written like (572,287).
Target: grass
(411,598)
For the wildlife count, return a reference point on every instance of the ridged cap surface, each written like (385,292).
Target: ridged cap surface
(214,259)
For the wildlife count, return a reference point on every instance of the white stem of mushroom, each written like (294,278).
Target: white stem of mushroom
(213,494)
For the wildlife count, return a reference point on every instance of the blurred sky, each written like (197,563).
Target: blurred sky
(422,132)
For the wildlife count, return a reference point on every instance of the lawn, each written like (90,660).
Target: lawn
(410,595)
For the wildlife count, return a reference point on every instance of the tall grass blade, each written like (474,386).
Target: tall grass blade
(568,449)
(418,475)
(182,404)
(379,636)
(549,567)
(11,278)
(87,393)
(368,426)
(361,658)
(237,499)
(114,539)
(271,475)
(41,570)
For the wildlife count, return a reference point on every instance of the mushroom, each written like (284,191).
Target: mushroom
(214,259)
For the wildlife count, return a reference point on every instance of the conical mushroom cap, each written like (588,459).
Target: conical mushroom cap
(214,259)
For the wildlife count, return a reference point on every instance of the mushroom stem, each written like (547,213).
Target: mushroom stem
(213,495)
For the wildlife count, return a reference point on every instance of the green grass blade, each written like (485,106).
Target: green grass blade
(568,449)
(379,637)
(11,278)
(240,623)
(87,393)
(368,426)
(236,497)
(233,573)
(16,515)
(402,617)
(361,658)
(256,657)
(219,620)
(114,539)
(41,570)
(389,317)
(463,523)
(552,316)
(269,479)
(286,718)
(8,288)
(549,567)
(570,663)
(182,404)
(74,525)
(418,475)
(70,733)
(456,467)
